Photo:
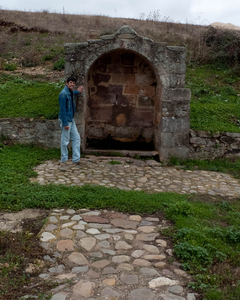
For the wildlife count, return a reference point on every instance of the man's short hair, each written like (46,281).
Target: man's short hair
(71,78)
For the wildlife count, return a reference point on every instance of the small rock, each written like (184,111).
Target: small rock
(151,249)
(78,258)
(92,274)
(102,236)
(65,245)
(59,296)
(161,281)
(44,276)
(121,259)
(47,236)
(135,218)
(66,232)
(161,243)
(76,218)
(93,231)
(137,253)
(142,262)
(87,243)
(128,236)
(129,279)
(53,220)
(95,254)
(147,237)
(191,296)
(84,288)
(122,245)
(66,276)
(181,272)
(109,281)
(69,224)
(51,227)
(142,294)
(104,244)
(160,265)
(109,270)
(147,229)
(175,289)
(171,297)
(109,293)
(149,272)
(80,234)
(154,257)
(57,269)
(82,269)
(169,252)
(125,266)
(100,264)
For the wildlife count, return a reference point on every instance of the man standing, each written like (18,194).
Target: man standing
(66,118)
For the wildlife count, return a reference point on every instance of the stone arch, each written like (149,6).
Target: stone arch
(169,120)
(121,102)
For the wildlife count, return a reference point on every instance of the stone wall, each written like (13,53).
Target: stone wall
(44,133)
(206,145)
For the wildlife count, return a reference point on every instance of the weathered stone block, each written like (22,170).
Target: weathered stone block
(175,124)
(101,114)
(141,118)
(123,78)
(166,153)
(167,140)
(131,89)
(145,101)
(98,78)
(179,94)
(145,79)
(177,81)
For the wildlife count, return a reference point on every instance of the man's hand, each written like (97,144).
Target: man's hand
(66,127)
(80,89)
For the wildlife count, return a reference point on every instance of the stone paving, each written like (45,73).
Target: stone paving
(98,255)
(133,174)
(109,255)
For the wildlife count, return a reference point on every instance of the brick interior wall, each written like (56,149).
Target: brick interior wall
(121,103)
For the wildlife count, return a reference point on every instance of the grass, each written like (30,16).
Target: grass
(215,104)
(205,231)
(230,166)
(29,99)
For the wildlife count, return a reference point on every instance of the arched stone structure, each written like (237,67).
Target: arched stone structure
(134,93)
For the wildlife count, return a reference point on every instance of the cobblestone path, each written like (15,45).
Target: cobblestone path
(132,174)
(97,255)
(109,255)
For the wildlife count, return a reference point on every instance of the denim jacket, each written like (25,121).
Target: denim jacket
(67,107)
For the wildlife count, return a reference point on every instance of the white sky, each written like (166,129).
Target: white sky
(203,12)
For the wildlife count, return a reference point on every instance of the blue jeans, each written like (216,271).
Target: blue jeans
(67,135)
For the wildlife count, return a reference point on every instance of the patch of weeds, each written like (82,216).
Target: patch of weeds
(173,161)
(178,208)
(17,251)
(59,65)
(10,67)
(114,162)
